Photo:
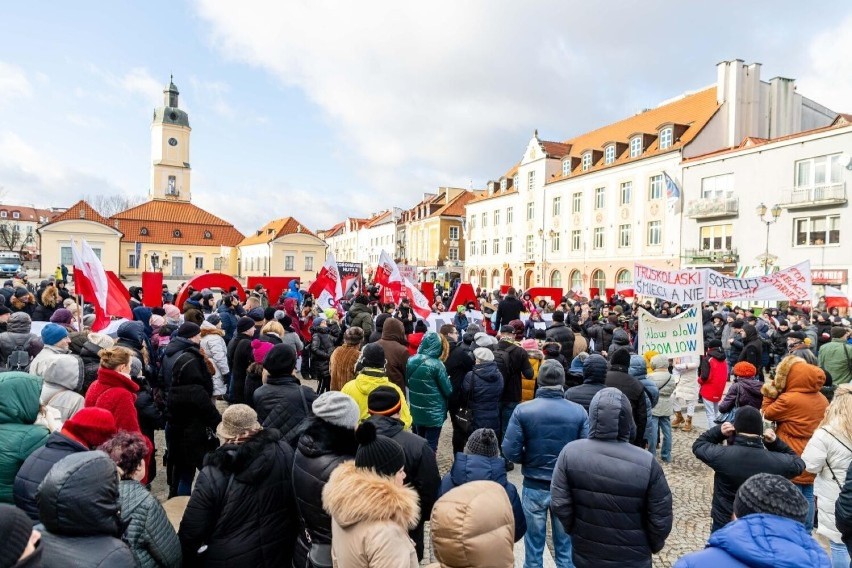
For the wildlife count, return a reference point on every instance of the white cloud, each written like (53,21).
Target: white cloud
(139,81)
(829,76)
(13,83)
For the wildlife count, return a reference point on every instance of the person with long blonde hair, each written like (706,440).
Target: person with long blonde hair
(828,455)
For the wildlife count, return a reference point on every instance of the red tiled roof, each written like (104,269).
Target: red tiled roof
(275,229)
(455,208)
(379,219)
(162,218)
(73,213)
(555,149)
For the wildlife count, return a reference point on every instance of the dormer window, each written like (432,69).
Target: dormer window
(515,181)
(143,231)
(635,146)
(503,183)
(16,214)
(666,137)
(609,154)
(566,167)
(587,161)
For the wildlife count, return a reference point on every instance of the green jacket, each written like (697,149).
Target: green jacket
(428,384)
(19,437)
(836,358)
(151,537)
(361,316)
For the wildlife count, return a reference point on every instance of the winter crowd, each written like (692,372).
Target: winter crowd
(263,470)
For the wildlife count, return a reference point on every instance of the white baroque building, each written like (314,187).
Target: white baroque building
(578,214)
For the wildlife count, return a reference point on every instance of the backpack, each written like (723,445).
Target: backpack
(704,368)
(19,358)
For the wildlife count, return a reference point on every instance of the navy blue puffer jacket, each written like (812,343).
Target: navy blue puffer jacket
(481,390)
(594,377)
(467,467)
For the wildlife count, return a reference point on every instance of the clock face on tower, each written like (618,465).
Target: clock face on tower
(172,141)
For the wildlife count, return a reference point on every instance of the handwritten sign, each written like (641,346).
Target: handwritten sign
(793,283)
(672,337)
(680,286)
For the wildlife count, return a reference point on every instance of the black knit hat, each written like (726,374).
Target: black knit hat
(188,330)
(620,357)
(384,401)
(16,528)
(748,420)
(773,495)
(482,442)
(280,361)
(244,324)
(269,313)
(373,356)
(377,452)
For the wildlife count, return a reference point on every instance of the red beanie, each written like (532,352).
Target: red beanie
(91,426)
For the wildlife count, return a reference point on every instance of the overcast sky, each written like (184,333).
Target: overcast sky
(323,110)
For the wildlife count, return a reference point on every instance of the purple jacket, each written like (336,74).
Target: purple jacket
(749,390)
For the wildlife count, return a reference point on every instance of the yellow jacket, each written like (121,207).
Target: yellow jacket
(366,382)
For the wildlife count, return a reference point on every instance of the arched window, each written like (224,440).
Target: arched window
(471,276)
(495,279)
(556,279)
(599,280)
(623,277)
(576,279)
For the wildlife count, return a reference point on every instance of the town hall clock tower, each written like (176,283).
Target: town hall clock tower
(170,171)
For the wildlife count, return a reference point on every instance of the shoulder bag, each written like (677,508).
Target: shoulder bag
(731,414)
(834,477)
(464,417)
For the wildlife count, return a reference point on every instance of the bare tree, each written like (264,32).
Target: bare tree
(109,205)
(13,238)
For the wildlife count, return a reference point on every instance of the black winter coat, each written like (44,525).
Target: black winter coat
(508,309)
(843,512)
(171,353)
(619,378)
(734,464)
(458,364)
(583,394)
(239,359)
(513,361)
(562,334)
(611,497)
(481,391)
(242,506)
(321,448)
(91,362)
(322,344)
(283,403)
(35,468)
(421,470)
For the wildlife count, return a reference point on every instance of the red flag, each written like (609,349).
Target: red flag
(327,280)
(118,297)
(92,282)
(419,303)
(835,298)
(388,276)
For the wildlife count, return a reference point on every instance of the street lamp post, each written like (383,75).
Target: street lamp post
(775,211)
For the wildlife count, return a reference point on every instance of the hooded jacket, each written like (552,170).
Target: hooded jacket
(18,333)
(605,482)
(19,436)
(428,384)
(472,526)
(396,351)
(361,316)
(471,467)
(213,345)
(239,358)
(748,391)
(594,379)
(514,365)
(366,382)
(35,468)
(562,334)
(480,392)
(79,511)
(619,378)
(665,385)
(371,516)
(242,506)
(759,540)
(734,464)
(342,365)
(828,455)
(91,364)
(794,402)
(150,535)
(63,381)
(713,386)
(116,392)
(322,447)
(283,403)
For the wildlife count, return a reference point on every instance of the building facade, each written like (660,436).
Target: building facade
(18,228)
(283,247)
(804,177)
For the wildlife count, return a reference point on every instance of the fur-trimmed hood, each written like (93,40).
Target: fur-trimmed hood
(354,495)
(794,374)
(50,297)
(205,331)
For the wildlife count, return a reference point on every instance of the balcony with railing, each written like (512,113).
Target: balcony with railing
(711,257)
(814,196)
(709,207)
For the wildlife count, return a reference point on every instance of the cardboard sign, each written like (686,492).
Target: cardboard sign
(672,337)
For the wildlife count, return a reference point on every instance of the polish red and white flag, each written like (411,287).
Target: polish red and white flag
(328,280)
(91,282)
(835,298)
(388,276)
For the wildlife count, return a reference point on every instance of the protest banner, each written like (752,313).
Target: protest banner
(350,278)
(673,337)
(793,283)
(435,320)
(680,286)
(407,271)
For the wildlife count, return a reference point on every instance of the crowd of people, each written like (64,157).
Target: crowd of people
(263,470)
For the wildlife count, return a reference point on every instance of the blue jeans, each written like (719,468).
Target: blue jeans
(536,504)
(712,410)
(839,554)
(431,433)
(665,424)
(808,492)
(184,480)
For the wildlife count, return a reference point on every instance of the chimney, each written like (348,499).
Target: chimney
(738,89)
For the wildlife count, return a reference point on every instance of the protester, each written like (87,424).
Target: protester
(594,378)
(537,432)
(421,468)
(828,454)
(21,544)
(63,382)
(536,356)
(213,346)
(794,402)
(472,525)
(239,359)
(509,309)
(745,390)
(19,435)
(712,376)
(624,491)
(754,450)
(481,390)
(835,356)
(396,351)
(416,337)
(514,365)
(661,413)
(148,532)
(843,513)
(429,387)
(282,402)
(343,359)
(242,510)
(685,396)
(18,346)
(322,347)
(560,333)
(359,315)
(619,377)
(768,530)
(79,510)
(370,507)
